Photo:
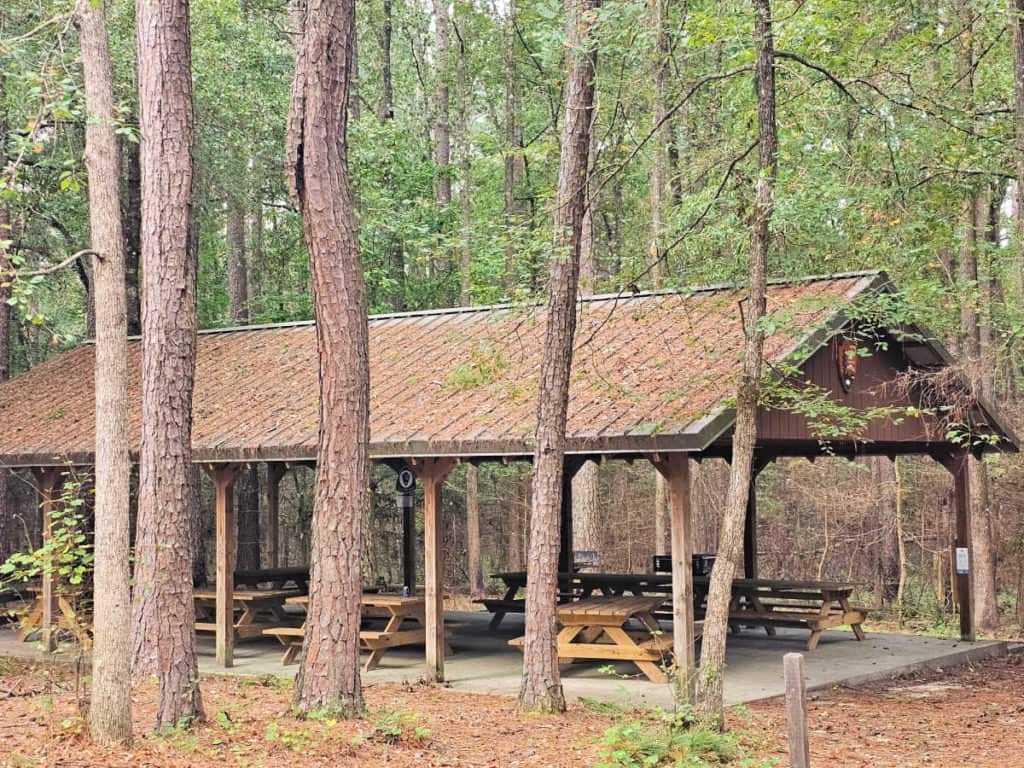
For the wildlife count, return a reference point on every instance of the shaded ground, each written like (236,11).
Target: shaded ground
(973,716)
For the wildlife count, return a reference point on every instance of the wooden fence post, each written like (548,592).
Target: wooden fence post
(796,710)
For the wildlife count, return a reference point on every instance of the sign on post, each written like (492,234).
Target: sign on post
(963,561)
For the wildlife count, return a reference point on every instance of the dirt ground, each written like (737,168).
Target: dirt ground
(973,716)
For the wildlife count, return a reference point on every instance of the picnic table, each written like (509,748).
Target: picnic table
(403,618)
(274,578)
(575,586)
(254,610)
(769,603)
(64,611)
(596,628)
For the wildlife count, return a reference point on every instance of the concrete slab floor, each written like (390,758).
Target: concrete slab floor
(484,662)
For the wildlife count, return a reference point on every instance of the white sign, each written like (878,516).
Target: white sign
(962,560)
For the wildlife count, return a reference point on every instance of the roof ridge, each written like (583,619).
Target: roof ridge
(622,295)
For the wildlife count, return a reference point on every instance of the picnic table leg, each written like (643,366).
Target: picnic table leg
(394,622)
(622,639)
(844,603)
(31,623)
(291,652)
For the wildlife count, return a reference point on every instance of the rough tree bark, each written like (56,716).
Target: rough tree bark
(586,526)
(318,182)
(164,641)
(542,687)
(110,705)
(712,663)
(131,224)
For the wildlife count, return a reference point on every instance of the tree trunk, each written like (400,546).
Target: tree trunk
(586,525)
(110,705)
(465,197)
(164,612)
(974,225)
(542,687)
(238,287)
(887,567)
(588,246)
(442,139)
(473,557)
(131,224)
(660,145)
(386,110)
(318,181)
(5,322)
(199,529)
(662,521)
(1017,24)
(712,663)
(247,500)
(514,160)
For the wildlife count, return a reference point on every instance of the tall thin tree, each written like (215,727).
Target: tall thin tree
(5,308)
(541,688)
(318,181)
(163,607)
(110,707)
(712,663)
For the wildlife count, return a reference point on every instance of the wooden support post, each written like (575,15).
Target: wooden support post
(432,473)
(675,468)
(223,476)
(275,472)
(47,478)
(796,710)
(963,594)
(570,466)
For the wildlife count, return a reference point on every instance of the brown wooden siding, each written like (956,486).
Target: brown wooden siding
(872,387)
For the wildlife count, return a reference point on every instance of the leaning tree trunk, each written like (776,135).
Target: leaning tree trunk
(542,687)
(712,662)
(318,181)
(110,705)
(164,612)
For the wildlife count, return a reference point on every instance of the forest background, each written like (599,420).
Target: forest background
(901,147)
